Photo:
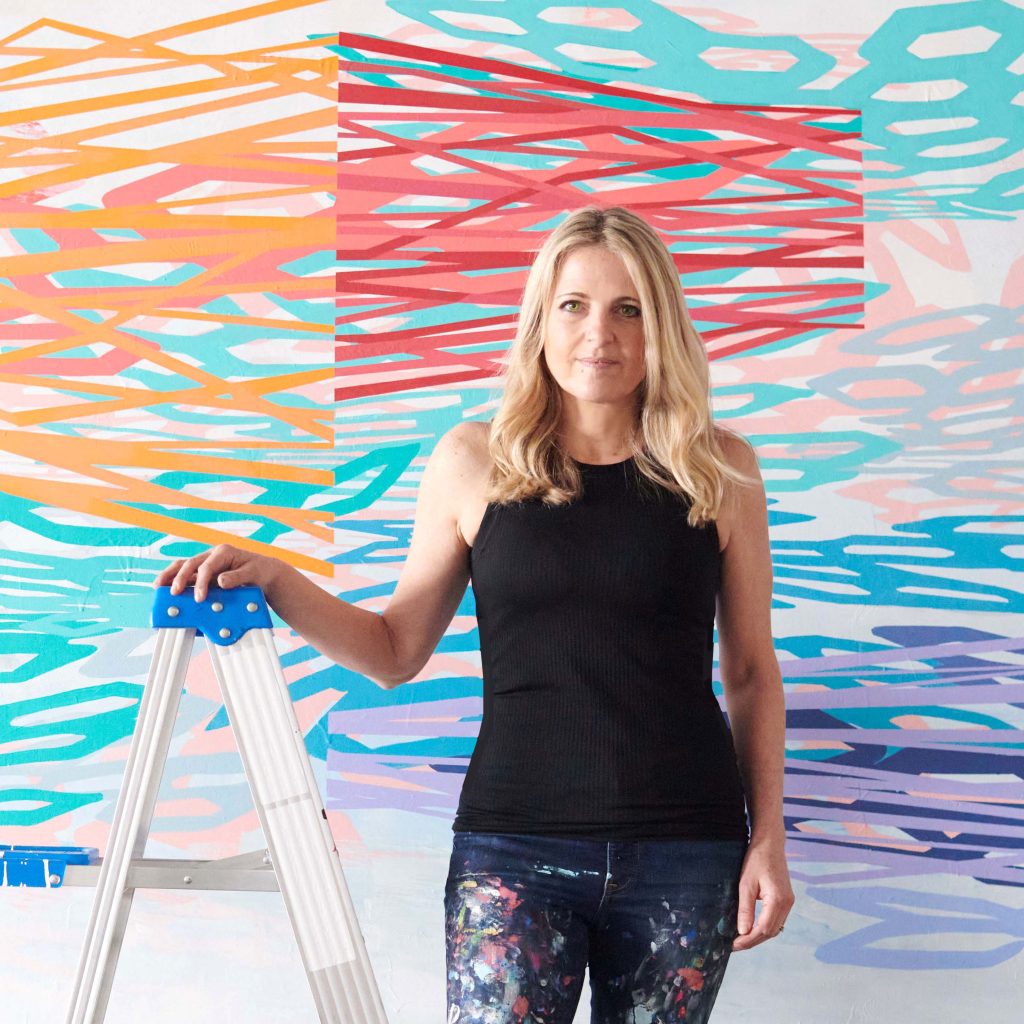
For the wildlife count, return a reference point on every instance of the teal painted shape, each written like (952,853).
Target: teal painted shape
(454,313)
(455,202)
(55,803)
(314,263)
(33,645)
(103,279)
(805,473)
(392,462)
(760,398)
(351,264)
(485,272)
(881,718)
(122,233)
(22,512)
(88,732)
(34,240)
(672,42)
(810,755)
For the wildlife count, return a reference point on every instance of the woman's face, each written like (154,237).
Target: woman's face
(595,314)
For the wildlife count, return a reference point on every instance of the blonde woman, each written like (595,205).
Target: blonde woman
(608,821)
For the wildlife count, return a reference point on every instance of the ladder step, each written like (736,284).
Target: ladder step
(41,867)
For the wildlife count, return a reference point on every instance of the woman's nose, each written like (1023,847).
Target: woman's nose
(598,323)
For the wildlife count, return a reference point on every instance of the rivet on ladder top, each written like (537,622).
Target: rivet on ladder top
(173,610)
(217,606)
(252,606)
(225,632)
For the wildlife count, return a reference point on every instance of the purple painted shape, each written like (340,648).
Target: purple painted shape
(897,919)
(403,719)
(894,863)
(895,695)
(933,738)
(436,793)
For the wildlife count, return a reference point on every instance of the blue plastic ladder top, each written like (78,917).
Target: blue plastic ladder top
(41,867)
(223,617)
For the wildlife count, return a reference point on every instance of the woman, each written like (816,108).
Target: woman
(602,517)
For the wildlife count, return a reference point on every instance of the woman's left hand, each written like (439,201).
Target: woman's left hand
(764,877)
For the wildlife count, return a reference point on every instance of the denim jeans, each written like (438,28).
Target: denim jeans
(652,919)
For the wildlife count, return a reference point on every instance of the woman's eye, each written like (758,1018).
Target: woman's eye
(626,305)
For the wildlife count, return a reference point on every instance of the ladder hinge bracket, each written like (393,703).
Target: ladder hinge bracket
(222,618)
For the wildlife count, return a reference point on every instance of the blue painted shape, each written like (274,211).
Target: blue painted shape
(241,609)
(41,867)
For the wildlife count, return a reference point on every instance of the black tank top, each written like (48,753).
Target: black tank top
(596,627)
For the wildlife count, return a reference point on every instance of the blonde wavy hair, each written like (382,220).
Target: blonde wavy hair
(675,443)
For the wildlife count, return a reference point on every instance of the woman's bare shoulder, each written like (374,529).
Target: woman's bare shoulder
(464,457)
(467,469)
(736,449)
(740,454)
(470,438)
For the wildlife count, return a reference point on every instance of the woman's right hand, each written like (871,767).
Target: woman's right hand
(224,566)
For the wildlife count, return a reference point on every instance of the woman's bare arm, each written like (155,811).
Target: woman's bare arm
(751,678)
(390,647)
(752,683)
(436,570)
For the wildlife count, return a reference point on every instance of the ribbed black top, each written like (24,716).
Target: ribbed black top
(596,627)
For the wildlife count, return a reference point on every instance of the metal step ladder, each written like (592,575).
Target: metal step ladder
(301,859)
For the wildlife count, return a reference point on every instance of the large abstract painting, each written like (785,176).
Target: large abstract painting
(256,259)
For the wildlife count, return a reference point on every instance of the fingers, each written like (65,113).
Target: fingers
(201,570)
(755,936)
(213,564)
(186,572)
(769,923)
(745,915)
(195,571)
(166,575)
(220,558)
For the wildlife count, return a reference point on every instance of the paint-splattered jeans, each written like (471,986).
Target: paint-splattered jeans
(653,919)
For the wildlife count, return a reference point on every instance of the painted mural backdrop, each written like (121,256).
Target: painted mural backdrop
(256,260)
